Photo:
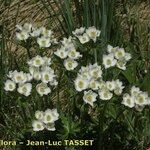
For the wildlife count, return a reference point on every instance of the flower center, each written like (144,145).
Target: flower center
(80,84)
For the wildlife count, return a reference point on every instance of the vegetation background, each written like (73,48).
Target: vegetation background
(123,22)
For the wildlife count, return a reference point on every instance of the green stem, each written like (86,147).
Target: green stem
(95,55)
(101,123)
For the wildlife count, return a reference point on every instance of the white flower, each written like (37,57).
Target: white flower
(44,42)
(9,85)
(79,31)
(89,97)
(10,74)
(50,127)
(54,40)
(43,89)
(36,32)
(121,64)
(47,76)
(73,54)
(110,85)
(29,76)
(83,38)
(135,91)
(37,75)
(55,114)
(141,98)
(102,85)
(25,89)
(48,116)
(148,101)
(127,56)
(53,83)
(95,71)
(93,33)
(81,84)
(22,35)
(94,85)
(109,61)
(70,64)
(39,115)
(62,53)
(128,100)
(37,125)
(36,61)
(105,94)
(19,27)
(46,33)
(139,108)
(26,27)
(111,49)
(84,73)
(66,41)
(118,87)
(19,77)
(47,61)
(120,53)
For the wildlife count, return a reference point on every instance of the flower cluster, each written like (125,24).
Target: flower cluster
(85,35)
(69,53)
(107,88)
(136,98)
(90,78)
(19,80)
(40,70)
(45,120)
(116,57)
(44,37)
